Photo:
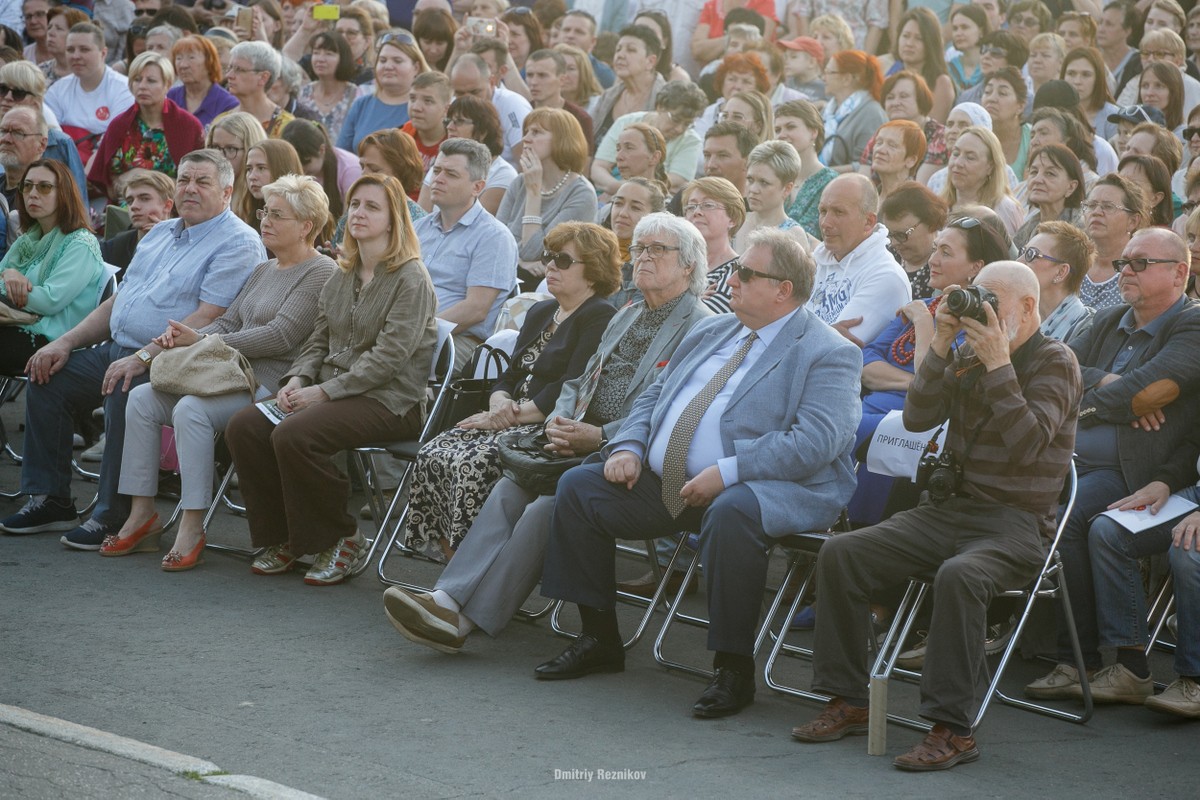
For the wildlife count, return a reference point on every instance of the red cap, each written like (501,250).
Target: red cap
(807,44)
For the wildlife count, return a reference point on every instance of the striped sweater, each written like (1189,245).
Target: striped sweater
(1025,416)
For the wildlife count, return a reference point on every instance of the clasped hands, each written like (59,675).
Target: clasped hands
(625,467)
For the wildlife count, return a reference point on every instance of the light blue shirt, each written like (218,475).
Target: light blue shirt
(368,114)
(176,268)
(478,250)
(706,448)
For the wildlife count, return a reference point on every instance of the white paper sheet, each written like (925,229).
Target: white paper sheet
(1136,521)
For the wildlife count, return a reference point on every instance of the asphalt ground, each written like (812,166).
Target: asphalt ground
(311,688)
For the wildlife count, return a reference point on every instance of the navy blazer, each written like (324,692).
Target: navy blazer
(564,356)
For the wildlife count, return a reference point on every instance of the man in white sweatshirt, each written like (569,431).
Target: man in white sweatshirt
(859,285)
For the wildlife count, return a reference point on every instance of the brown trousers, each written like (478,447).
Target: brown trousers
(294,492)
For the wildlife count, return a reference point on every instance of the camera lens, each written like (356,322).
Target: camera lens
(962,303)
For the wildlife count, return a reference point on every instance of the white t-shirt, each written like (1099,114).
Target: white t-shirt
(512,109)
(91,111)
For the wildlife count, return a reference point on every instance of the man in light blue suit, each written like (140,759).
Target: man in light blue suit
(746,436)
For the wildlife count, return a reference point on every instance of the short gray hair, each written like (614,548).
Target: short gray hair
(262,58)
(304,196)
(212,156)
(475,60)
(693,252)
(39,121)
(291,75)
(788,259)
(682,96)
(479,158)
(167,30)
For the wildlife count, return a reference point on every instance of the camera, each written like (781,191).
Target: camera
(968,302)
(939,475)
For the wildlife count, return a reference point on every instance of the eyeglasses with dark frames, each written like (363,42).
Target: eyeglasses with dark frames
(1139,264)
(654,251)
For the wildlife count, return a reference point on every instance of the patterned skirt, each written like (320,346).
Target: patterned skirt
(455,473)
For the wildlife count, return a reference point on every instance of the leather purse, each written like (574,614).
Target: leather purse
(525,461)
(205,369)
(11,315)
(469,395)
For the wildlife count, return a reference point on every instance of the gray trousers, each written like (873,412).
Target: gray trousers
(977,548)
(499,561)
(196,420)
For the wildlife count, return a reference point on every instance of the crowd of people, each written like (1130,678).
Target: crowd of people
(722,243)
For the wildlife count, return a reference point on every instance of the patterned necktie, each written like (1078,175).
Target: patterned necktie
(675,461)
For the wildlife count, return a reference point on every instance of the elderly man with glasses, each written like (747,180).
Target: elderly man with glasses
(1141,377)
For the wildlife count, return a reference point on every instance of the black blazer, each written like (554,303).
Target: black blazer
(564,356)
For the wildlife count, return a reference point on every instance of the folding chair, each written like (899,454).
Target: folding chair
(10,388)
(1049,583)
(441,373)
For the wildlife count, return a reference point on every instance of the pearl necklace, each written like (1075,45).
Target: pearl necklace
(561,183)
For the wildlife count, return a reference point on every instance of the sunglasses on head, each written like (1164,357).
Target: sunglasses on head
(561,261)
(17,94)
(395,37)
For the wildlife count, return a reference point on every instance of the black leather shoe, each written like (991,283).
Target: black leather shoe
(582,657)
(729,692)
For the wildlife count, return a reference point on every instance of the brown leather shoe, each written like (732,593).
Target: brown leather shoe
(940,749)
(837,720)
(645,585)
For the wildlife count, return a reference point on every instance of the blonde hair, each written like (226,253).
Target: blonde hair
(1058,43)
(836,27)
(249,131)
(588,86)
(723,192)
(151,58)
(305,197)
(995,187)
(402,244)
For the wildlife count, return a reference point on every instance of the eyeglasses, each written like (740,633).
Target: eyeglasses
(993,50)
(395,37)
(17,94)
(138,31)
(732,116)
(233,70)
(745,274)
(275,216)
(1156,55)
(20,136)
(1139,264)
(707,207)
(31,15)
(900,237)
(1032,254)
(230,151)
(455,121)
(561,261)
(655,251)
(42,187)
(1189,133)
(1106,207)
(1025,22)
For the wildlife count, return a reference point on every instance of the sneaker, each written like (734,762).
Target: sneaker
(338,562)
(90,535)
(914,657)
(998,636)
(40,514)
(95,453)
(1116,684)
(1181,698)
(1061,684)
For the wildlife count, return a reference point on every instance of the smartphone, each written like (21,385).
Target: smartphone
(327,11)
(481,26)
(244,19)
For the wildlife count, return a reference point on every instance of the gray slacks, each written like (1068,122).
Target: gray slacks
(976,548)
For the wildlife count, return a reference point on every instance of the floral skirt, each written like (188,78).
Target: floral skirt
(455,473)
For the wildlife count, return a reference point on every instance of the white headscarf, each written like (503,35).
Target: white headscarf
(976,113)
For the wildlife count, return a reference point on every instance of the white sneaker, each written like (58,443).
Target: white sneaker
(1181,698)
(1061,684)
(1116,684)
(914,658)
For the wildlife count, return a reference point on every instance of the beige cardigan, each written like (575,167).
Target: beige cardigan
(382,346)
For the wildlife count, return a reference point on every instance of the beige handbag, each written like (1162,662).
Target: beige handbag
(11,315)
(207,368)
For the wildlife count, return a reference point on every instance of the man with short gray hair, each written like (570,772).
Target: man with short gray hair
(253,68)
(471,256)
(188,269)
(23,135)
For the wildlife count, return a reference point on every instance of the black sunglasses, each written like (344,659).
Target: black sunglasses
(993,50)
(1032,254)
(1188,133)
(561,261)
(745,274)
(17,94)
(1139,264)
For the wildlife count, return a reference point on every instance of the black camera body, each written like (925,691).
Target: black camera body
(968,303)
(939,475)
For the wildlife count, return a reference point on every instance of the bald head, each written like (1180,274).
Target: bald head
(846,213)
(1016,287)
(860,187)
(1163,243)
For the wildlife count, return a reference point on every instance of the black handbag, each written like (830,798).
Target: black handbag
(525,461)
(470,395)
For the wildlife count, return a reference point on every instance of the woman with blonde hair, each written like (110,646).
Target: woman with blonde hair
(641,153)
(153,133)
(360,378)
(266,163)
(771,173)
(398,61)
(579,83)
(267,322)
(716,208)
(833,33)
(978,177)
(199,91)
(233,135)
(751,109)
(551,188)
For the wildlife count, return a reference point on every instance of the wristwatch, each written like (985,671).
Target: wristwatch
(144,356)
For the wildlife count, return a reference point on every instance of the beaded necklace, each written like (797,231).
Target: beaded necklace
(905,346)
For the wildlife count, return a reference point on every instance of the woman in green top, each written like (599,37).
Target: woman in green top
(799,123)
(54,270)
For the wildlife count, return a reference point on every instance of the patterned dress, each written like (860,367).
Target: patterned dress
(334,119)
(456,472)
(803,208)
(1099,296)
(142,148)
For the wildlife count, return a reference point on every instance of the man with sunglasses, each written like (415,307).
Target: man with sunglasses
(745,437)
(1141,378)
(23,85)
(470,255)
(1012,399)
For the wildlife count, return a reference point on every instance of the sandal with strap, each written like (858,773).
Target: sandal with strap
(940,749)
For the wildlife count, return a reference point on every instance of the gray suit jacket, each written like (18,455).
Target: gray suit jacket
(791,421)
(687,313)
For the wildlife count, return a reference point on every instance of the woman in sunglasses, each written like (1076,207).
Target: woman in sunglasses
(53,270)
(960,250)
(1114,210)
(1054,187)
(457,470)
(397,63)
(1059,254)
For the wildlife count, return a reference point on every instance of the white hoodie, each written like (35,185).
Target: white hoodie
(867,283)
